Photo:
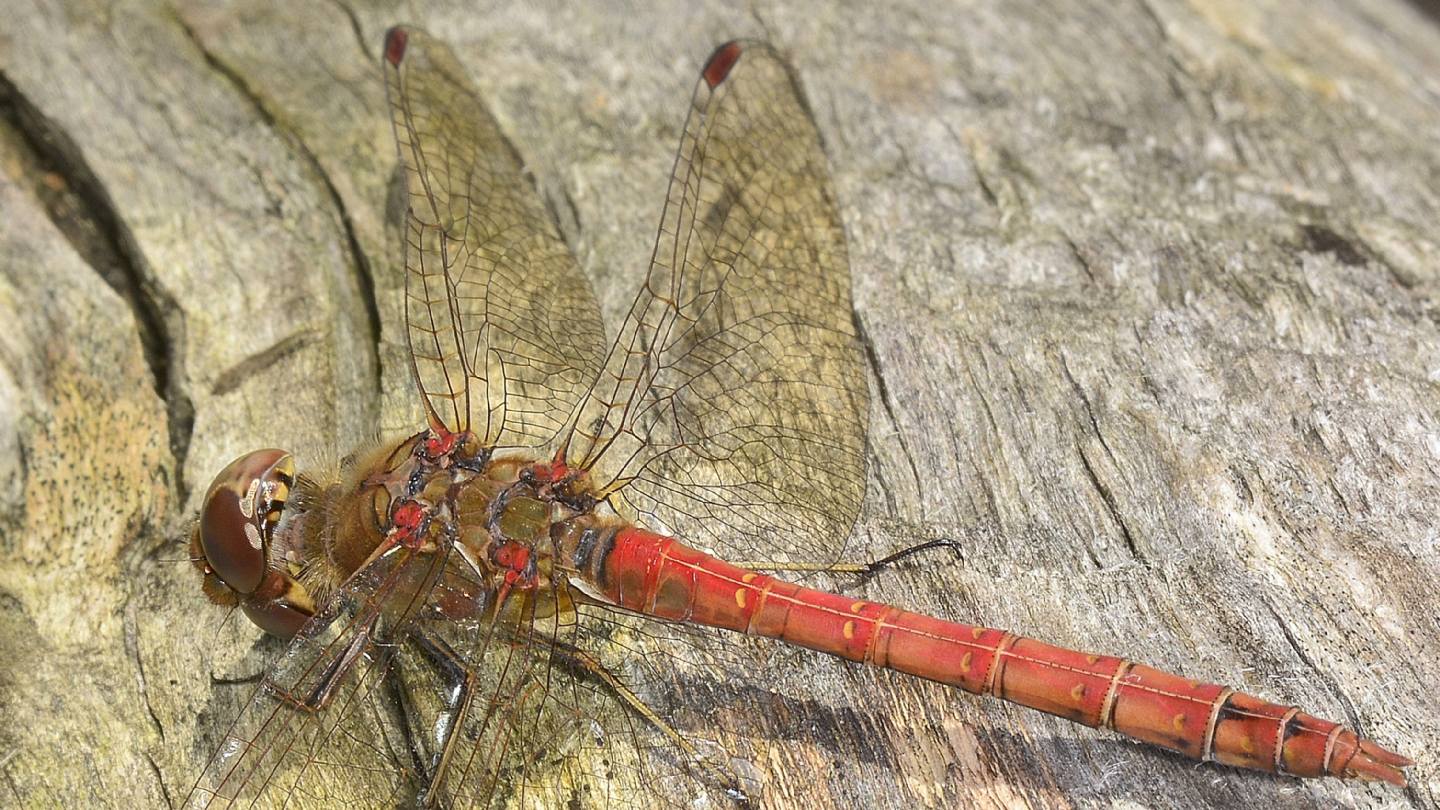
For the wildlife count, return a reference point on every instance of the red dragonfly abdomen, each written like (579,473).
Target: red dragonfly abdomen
(661,577)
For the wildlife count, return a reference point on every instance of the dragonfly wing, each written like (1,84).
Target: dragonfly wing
(544,723)
(559,720)
(277,754)
(732,407)
(503,328)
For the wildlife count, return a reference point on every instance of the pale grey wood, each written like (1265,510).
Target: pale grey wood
(1149,292)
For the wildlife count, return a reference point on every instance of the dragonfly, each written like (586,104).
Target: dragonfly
(487,612)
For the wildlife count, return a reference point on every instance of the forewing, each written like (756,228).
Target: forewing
(732,407)
(545,724)
(557,721)
(502,326)
(276,754)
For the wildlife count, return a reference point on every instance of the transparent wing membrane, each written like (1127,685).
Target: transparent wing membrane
(550,714)
(503,328)
(731,409)
(280,752)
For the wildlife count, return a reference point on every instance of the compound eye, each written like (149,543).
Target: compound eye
(240,513)
(276,617)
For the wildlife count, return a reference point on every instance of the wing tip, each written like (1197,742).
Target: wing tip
(720,63)
(395,41)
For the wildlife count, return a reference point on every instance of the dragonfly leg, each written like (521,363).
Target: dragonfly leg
(402,706)
(461,682)
(330,678)
(579,661)
(864,570)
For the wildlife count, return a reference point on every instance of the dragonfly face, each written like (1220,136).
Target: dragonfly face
(234,540)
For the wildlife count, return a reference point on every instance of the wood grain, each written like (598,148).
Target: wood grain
(1150,293)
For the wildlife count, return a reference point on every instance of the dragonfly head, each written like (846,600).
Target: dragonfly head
(232,542)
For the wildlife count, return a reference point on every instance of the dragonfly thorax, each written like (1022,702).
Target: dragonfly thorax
(533,504)
(499,523)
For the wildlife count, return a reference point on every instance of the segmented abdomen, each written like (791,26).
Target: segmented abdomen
(661,577)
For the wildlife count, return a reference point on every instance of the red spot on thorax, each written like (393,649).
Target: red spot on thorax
(405,523)
(395,41)
(438,444)
(515,560)
(512,556)
(549,473)
(720,63)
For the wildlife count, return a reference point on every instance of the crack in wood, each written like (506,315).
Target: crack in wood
(1106,495)
(81,208)
(1111,507)
(359,260)
(355,25)
(1352,717)
(159,779)
(1080,257)
(230,379)
(868,347)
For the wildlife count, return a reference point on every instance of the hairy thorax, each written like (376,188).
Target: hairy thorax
(496,537)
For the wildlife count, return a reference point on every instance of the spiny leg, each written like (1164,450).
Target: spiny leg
(331,677)
(864,570)
(460,683)
(402,707)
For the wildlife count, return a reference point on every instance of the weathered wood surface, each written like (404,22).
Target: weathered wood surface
(1149,290)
